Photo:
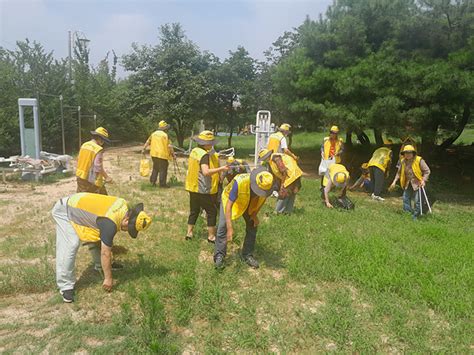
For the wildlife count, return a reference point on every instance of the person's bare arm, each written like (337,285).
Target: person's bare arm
(228,220)
(206,171)
(147,144)
(326,194)
(290,153)
(106,261)
(396,178)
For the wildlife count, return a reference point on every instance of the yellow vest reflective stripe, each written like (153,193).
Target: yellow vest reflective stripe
(159,145)
(333,170)
(195,180)
(416,167)
(274,142)
(85,162)
(327,148)
(84,209)
(243,197)
(293,170)
(381,158)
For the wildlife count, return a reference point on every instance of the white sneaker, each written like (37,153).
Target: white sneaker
(377,198)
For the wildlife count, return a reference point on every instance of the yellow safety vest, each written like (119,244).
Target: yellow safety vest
(244,199)
(85,163)
(274,141)
(159,145)
(84,209)
(381,158)
(293,170)
(195,180)
(327,148)
(333,170)
(416,167)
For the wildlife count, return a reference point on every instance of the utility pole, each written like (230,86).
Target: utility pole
(79,117)
(69,48)
(62,124)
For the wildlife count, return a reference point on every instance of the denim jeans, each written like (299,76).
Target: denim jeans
(408,195)
(286,205)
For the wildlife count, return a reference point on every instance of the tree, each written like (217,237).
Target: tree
(169,79)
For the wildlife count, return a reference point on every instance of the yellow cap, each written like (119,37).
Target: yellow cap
(341,178)
(143,221)
(163,124)
(264,154)
(285,127)
(102,133)
(334,129)
(264,180)
(230,160)
(408,148)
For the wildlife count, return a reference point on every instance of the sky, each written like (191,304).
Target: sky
(217,26)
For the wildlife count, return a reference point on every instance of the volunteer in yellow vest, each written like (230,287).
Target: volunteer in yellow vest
(90,172)
(161,151)
(336,176)
(202,181)
(379,168)
(363,182)
(243,196)
(287,174)
(277,141)
(89,217)
(413,174)
(332,146)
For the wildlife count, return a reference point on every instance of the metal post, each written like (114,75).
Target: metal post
(37,131)
(62,124)
(79,119)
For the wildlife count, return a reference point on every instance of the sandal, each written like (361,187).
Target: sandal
(188,237)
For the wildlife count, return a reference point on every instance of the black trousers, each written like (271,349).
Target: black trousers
(205,201)
(377,178)
(160,166)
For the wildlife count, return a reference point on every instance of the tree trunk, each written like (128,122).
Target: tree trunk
(465,119)
(180,137)
(348,142)
(363,138)
(378,137)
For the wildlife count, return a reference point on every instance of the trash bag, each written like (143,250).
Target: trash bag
(344,203)
(324,165)
(144,167)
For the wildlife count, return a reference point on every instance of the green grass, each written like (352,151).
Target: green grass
(370,280)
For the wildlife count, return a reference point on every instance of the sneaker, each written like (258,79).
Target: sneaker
(250,261)
(188,237)
(377,198)
(219,262)
(68,296)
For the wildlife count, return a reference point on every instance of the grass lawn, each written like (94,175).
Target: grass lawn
(370,280)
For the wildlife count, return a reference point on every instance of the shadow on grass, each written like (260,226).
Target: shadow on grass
(131,271)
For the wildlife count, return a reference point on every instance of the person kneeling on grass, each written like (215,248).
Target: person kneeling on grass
(243,196)
(89,217)
(336,176)
(363,182)
(413,173)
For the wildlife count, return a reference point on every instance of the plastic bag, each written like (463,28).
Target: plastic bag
(144,167)
(324,165)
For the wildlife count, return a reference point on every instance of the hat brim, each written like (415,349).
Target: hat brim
(204,142)
(339,184)
(254,186)
(165,127)
(105,139)
(409,151)
(132,221)
(266,156)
